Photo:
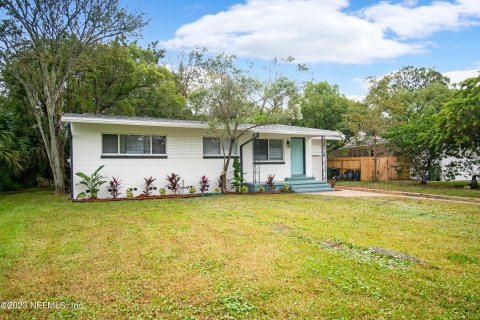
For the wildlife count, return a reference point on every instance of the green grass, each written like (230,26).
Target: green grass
(446,188)
(264,257)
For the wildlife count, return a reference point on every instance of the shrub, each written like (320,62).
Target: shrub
(238,181)
(129,193)
(204,185)
(92,182)
(114,186)
(216,190)
(148,185)
(173,182)
(286,188)
(261,189)
(243,189)
(271,183)
(163,191)
(192,190)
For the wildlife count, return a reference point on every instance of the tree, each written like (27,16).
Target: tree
(458,126)
(390,102)
(412,138)
(233,102)
(41,42)
(13,149)
(124,79)
(324,107)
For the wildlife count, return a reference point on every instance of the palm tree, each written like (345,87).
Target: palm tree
(13,149)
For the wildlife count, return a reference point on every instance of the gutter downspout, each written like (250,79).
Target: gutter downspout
(254,136)
(69,127)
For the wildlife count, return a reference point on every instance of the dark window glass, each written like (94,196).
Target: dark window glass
(211,146)
(109,143)
(275,151)
(260,149)
(159,144)
(134,144)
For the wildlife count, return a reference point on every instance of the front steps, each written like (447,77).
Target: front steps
(299,184)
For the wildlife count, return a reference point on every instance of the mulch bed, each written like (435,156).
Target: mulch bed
(141,197)
(170,196)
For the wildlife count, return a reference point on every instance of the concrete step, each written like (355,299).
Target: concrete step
(299,177)
(302,182)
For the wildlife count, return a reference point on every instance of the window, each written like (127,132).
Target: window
(213,147)
(133,144)
(268,150)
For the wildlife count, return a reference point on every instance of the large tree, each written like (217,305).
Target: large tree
(324,107)
(233,102)
(458,127)
(411,139)
(389,103)
(124,79)
(40,44)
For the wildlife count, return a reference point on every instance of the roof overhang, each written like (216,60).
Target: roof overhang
(174,123)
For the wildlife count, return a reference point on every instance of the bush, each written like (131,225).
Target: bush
(192,190)
(243,189)
(148,185)
(204,185)
(92,182)
(271,183)
(173,182)
(286,188)
(163,191)
(114,186)
(261,189)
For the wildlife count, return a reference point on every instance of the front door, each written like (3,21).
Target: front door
(297,155)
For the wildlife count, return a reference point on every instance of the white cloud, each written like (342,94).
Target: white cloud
(315,31)
(410,21)
(460,75)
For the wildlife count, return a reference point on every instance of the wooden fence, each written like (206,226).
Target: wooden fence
(386,167)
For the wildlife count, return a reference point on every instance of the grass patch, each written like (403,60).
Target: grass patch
(445,188)
(279,257)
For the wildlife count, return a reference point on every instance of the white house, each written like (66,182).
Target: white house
(133,148)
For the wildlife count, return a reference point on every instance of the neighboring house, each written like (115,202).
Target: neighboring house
(459,174)
(352,150)
(133,148)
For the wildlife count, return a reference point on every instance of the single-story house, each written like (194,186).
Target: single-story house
(133,148)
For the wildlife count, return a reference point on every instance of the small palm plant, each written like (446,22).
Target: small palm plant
(92,182)
(173,182)
(204,185)
(114,186)
(148,185)
(271,183)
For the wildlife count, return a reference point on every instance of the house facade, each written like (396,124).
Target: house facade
(134,148)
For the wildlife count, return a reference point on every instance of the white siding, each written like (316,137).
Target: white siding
(185,157)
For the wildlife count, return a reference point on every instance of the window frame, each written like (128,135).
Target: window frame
(134,155)
(270,161)
(219,155)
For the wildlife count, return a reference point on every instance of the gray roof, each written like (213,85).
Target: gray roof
(161,122)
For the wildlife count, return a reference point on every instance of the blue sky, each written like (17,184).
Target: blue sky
(341,41)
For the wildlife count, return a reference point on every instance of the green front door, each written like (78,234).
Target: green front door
(297,155)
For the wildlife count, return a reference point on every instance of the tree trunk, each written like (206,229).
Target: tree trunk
(374,159)
(474,182)
(423,177)
(226,163)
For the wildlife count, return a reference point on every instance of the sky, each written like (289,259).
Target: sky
(340,41)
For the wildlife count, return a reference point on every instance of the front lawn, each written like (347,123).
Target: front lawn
(264,256)
(446,188)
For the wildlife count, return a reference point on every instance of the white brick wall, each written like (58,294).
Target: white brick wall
(184,152)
